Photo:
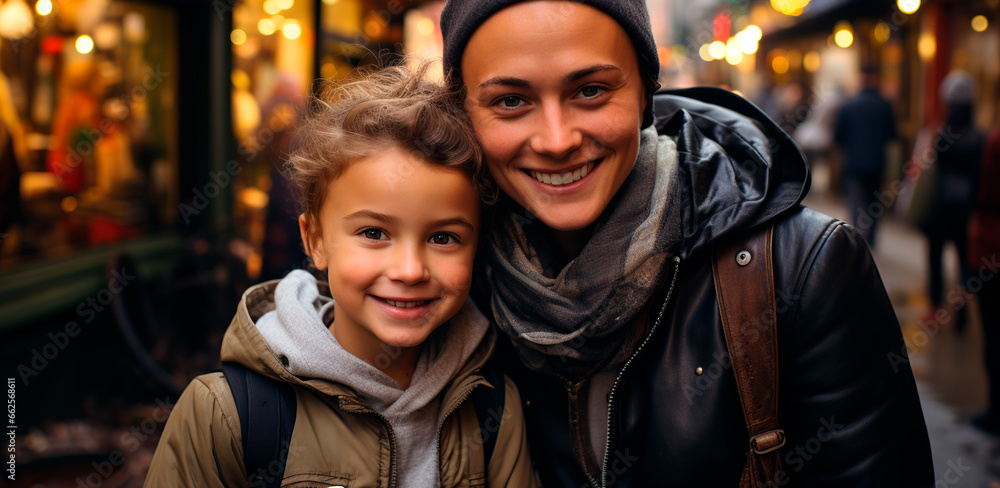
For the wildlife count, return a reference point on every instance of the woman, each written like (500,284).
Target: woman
(600,267)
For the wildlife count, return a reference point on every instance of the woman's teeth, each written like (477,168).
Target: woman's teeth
(559,179)
(395,303)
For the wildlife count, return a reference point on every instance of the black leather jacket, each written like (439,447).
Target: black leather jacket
(848,399)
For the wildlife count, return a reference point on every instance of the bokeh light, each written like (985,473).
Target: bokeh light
(979,23)
(84,44)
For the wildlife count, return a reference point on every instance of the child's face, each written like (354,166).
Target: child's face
(398,236)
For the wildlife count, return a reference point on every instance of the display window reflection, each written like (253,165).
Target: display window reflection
(88,125)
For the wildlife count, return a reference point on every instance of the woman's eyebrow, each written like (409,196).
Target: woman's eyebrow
(574,76)
(505,81)
(585,72)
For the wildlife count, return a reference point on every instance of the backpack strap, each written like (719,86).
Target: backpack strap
(744,284)
(267,417)
(489,403)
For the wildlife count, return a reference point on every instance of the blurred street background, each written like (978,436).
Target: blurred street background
(140,143)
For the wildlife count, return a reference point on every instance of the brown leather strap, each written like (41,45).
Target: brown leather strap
(744,284)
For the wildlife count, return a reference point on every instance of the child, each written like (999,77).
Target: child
(384,375)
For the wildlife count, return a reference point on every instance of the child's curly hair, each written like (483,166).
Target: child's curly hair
(394,105)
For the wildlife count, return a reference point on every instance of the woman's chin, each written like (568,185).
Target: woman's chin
(568,218)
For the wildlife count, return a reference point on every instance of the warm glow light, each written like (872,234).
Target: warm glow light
(425,26)
(779,64)
(717,50)
(84,44)
(746,41)
(266,26)
(291,30)
(754,32)
(811,61)
(908,6)
(271,7)
(285,4)
(69,204)
(238,37)
(704,52)
(789,7)
(733,53)
(844,38)
(927,45)
(843,35)
(979,23)
(44,7)
(16,20)
(882,32)
(330,2)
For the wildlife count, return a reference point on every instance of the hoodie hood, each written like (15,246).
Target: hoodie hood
(737,168)
(245,344)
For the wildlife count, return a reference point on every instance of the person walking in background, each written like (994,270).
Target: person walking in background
(959,149)
(984,248)
(865,125)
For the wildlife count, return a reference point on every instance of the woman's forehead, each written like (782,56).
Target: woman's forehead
(547,35)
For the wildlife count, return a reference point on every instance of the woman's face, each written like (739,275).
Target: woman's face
(556,100)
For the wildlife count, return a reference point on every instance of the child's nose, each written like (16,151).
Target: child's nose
(408,265)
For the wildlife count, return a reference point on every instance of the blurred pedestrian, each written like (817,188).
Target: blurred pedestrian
(865,125)
(959,149)
(984,247)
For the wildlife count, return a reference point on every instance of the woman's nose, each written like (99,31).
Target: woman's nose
(556,136)
(408,265)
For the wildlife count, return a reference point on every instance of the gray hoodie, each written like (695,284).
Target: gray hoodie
(298,331)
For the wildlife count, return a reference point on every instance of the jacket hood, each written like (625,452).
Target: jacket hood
(243,343)
(736,169)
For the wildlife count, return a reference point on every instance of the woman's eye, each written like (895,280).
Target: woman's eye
(443,238)
(591,91)
(510,102)
(373,234)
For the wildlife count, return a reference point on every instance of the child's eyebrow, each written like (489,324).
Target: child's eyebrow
(388,219)
(455,221)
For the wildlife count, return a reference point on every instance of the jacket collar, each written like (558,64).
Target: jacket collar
(737,168)
(244,344)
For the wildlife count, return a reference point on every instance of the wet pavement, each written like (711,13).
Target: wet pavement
(947,362)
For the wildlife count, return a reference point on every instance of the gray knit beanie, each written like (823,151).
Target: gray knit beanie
(461,18)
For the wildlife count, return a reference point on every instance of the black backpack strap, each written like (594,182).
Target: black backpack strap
(267,417)
(489,403)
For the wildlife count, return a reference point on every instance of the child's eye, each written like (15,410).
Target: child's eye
(373,234)
(444,238)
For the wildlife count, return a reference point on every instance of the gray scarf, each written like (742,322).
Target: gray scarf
(573,321)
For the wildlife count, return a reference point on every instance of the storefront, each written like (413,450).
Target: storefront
(110,114)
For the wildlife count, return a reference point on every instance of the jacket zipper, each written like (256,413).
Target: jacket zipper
(392,443)
(437,438)
(621,374)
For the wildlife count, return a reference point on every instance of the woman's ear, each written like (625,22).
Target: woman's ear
(312,242)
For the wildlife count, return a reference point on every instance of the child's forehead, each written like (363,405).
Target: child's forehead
(395,161)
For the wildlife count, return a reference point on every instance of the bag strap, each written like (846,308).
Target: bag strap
(744,284)
(267,418)
(489,404)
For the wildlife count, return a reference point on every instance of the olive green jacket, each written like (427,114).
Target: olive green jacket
(337,439)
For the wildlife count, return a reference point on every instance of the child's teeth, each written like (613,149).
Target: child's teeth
(559,179)
(395,303)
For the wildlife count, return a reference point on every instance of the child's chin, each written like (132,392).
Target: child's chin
(404,342)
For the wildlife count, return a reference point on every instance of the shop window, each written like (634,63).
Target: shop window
(88,125)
